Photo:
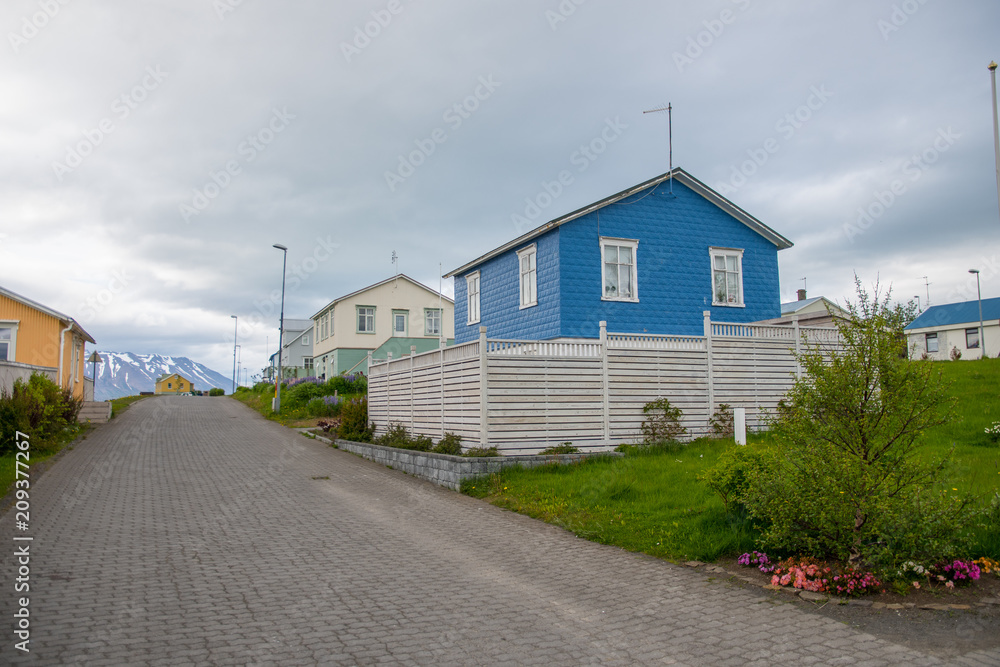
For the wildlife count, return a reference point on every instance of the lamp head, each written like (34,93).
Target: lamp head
(280,247)
(976,271)
(992,66)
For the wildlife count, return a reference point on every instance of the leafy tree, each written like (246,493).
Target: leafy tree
(843,477)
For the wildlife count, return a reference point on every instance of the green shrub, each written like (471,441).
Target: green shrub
(449,444)
(324,406)
(215,391)
(849,478)
(354,421)
(662,422)
(729,478)
(347,384)
(564,448)
(722,421)
(39,409)
(474,452)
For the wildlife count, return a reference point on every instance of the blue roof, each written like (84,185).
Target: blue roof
(957,313)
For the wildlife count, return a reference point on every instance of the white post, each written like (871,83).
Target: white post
(413,353)
(605,385)
(484,428)
(798,345)
(388,387)
(441,385)
(740,425)
(708,347)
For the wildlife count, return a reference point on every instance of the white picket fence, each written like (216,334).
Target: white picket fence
(535,394)
(11,371)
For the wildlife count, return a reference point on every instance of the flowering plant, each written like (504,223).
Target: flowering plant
(803,573)
(987,565)
(959,572)
(994,431)
(758,558)
(857,582)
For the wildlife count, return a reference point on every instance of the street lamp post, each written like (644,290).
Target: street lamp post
(239,361)
(982,338)
(996,123)
(236,330)
(95,359)
(281,326)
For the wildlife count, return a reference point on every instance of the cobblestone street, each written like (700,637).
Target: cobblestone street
(192,531)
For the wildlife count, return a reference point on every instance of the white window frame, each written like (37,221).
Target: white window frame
(357,318)
(634,271)
(726,253)
(405,314)
(305,339)
(472,297)
(428,330)
(927,342)
(528,276)
(307,363)
(12,343)
(974,331)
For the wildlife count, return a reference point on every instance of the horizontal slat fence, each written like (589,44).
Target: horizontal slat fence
(537,394)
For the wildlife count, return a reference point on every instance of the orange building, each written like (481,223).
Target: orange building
(35,338)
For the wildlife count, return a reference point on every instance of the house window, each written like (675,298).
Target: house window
(170,385)
(322,327)
(618,257)
(307,363)
(399,319)
(527,259)
(432,322)
(305,339)
(8,338)
(472,285)
(727,277)
(972,338)
(366,319)
(931,342)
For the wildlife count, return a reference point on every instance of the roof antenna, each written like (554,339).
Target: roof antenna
(395,262)
(670,134)
(927,285)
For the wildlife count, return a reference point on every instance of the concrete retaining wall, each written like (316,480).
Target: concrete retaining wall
(449,471)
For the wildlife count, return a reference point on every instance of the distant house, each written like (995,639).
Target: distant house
(173,383)
(644,260)
(817,311)
(36,338)
(385,318)
(955,326)
(296,350)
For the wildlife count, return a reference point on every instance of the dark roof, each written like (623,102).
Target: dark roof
(679,174)
(966,312)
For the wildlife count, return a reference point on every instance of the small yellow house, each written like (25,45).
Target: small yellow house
(35,338)
(173,384)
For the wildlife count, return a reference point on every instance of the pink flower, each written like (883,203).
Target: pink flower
(948,584)
(916,584)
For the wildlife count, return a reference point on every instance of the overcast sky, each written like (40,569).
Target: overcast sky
(152,152)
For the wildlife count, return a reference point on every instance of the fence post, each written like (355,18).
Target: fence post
(441,377)
(484,428)
(413,353)
(605,386)
(798,346)
(740,425)
(708,359)
(388,389)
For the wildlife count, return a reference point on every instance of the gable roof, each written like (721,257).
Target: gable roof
(48,311)
(379,284)
(793,307)
(170,375)
(299,335)
(680,175)
(965,312)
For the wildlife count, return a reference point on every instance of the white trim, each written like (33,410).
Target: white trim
(474,276)
(530,251)
(440,323)
(714,252)
(634,274)
(12,344)
(357,320)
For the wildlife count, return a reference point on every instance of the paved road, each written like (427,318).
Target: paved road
(191,531)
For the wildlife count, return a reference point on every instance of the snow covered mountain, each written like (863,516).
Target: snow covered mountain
(127,374)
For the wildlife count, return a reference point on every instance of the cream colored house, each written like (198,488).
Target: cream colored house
(385,318)
(817,311)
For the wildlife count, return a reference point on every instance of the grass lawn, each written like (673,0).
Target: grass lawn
(651,502)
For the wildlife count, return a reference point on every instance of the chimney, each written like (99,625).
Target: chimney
(802,295)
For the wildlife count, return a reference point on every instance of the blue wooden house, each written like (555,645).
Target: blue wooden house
(644,260)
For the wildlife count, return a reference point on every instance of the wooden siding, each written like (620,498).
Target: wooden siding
(542,393)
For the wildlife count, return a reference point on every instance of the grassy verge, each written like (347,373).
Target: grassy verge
(119,405)
(297,417)
(37,456)
(651,502)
